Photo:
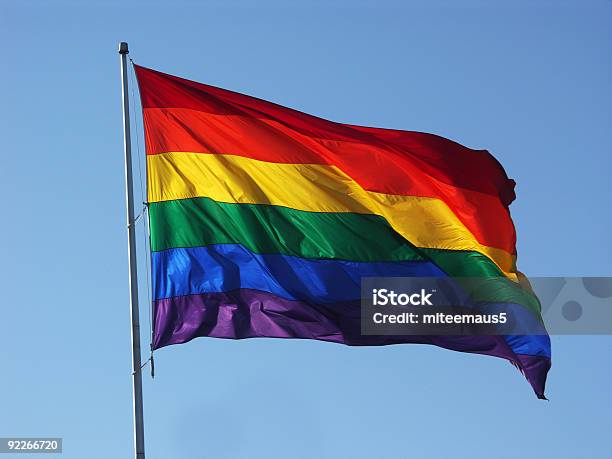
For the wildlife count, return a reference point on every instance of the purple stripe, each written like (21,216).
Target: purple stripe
(251,313)
(535,368)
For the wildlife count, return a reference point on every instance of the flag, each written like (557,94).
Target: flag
(264,220)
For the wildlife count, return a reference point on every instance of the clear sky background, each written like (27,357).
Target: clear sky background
(530,81)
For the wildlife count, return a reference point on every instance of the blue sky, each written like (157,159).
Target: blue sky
(529,81)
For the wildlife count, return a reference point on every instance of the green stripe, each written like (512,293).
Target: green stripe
(347,236)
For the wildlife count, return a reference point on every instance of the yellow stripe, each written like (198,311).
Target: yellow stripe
(425,222)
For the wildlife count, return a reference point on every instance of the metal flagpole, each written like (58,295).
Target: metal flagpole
(131,224)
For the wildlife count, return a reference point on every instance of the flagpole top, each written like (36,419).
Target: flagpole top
(123,48)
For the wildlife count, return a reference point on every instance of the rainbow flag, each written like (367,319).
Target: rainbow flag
(264,219)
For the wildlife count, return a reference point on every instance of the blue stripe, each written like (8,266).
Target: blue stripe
(529,344)
(226,267)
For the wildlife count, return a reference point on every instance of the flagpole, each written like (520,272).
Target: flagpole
(133,279)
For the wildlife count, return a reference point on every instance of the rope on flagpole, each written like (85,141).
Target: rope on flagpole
(145,232)
(150,359)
